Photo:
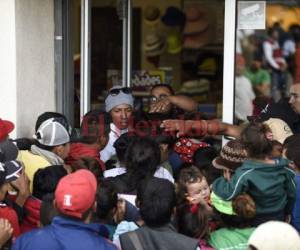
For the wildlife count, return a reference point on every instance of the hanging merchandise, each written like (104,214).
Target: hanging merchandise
(195,87)
(197,31)
(196,21)
(173,17)
(174,42)
(151,15)
(154,46)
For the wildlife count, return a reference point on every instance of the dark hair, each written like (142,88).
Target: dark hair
(291,139)
(24,143)
(107,200)
(95,124)
(245,209)
(62,119)
(121,145)
(163,85)
(187,175)
(258,146)
(47,212)
(276,145)
(142,160)
(162,138)
(293,151)
(46,179)
(202,159)
(156,199)
(192,220)
(90,164)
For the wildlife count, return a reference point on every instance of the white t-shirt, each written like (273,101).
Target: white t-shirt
(244,96)
(109,150)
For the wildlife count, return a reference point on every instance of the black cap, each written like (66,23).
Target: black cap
(8,151)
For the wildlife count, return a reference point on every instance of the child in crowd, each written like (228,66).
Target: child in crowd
(156,199)
(193,187)
(269,181)
(107,205)
(44,184)
(121,146)
(88,163)
(202,159)
(193,221)
(235,222)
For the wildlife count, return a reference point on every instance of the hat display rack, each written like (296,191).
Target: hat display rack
(163,33)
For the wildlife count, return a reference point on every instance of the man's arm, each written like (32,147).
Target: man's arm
(184,102)
(202,127)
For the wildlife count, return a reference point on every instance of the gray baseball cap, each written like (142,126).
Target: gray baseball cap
(52,133)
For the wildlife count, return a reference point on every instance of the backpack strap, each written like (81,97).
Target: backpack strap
(133,237)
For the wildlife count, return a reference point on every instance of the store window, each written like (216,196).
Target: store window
(177,42)
(266,54)
(182,45)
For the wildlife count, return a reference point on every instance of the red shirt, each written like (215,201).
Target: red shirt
(32,219)
(10,214)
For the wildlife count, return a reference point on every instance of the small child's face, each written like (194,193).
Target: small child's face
(198,191)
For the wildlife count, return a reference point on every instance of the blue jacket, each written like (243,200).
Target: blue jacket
(295,220)
(65,234)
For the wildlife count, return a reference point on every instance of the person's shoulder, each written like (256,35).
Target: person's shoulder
(27,155)
(281,110)
(34,239)
(8,212)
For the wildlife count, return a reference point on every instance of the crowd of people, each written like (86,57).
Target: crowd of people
(132,180)
(267,64)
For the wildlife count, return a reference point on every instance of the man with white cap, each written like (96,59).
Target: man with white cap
(51,147)
(274,235)
(119,104)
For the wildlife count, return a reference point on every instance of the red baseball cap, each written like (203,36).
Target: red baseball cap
(75,193)
(5,128)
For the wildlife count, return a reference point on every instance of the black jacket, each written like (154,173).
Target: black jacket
(160,238)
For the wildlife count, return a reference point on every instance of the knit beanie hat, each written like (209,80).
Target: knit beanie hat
(118,95)
(232,156)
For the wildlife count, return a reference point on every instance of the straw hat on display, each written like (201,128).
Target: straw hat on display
(196,21)
(151,15)
(154,44)
(197,31)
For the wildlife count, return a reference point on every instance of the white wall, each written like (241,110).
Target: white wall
(27,77)
(8,106)
(35,61)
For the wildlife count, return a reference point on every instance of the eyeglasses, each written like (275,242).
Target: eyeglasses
(115,92)
(155,98)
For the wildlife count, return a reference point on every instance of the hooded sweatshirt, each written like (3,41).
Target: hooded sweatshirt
(271,186)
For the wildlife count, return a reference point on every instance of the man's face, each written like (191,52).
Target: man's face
(158,94)
(120,115)
(295,97)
